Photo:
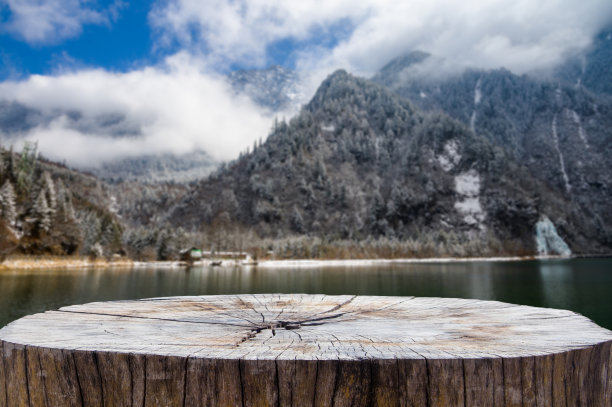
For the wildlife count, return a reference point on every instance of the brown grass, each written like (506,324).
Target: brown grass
(55,262)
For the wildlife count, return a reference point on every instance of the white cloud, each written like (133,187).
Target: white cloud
(49,21)
(240,31)
(521,35)
(97,116)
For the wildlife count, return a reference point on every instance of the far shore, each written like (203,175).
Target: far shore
(51,262)
(28,263)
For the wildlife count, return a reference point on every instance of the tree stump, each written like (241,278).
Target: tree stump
(305,350)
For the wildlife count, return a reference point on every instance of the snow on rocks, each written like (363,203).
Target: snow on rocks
(477,93)
(576,118)
(467,186)
(548,240)
(555,135)
(477,98)
(328,127)
(450,157)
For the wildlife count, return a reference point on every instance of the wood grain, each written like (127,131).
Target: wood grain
(313,350)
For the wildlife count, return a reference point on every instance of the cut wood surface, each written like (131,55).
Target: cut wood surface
(315,350)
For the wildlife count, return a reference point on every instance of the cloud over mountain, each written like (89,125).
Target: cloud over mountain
(519,35)
(93,116)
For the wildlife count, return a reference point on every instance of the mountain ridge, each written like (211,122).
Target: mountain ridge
(359,162)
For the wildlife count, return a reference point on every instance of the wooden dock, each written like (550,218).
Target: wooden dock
(305,350)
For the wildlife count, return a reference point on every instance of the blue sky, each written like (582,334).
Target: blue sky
(118,45)
(157,67)
(127,40)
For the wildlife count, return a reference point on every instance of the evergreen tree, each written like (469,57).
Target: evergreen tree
(7,203)
(297,222)
(49,189)
(26,167)
(8,167)
(42,213)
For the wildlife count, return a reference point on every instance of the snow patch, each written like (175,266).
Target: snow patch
(371,262)
(114,206)
(477,93)
(558,94)
(473,121)
(578,123)
(548,240)
(568,187)
(450,157)
(477,98)
(471,210)
(328,127)
(467,185)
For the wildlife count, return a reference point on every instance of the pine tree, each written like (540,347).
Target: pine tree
(2,175)
(7,203)
(50,194)
(41,212)
(8,168)
(297,222)
(26,167)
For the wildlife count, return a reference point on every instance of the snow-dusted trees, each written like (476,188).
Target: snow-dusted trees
(50,209)
(297,222)
(49,189)
(41,213)
(7,203)
(24,172)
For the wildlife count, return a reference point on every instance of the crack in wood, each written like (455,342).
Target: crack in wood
(5,374)
(78,379)
(465,404)
(27,376)
(242,380)
(228,315)
(247,305)
(277,382)
(154,319)
(144,394)
(43,376)
(185,381)
(94,356)
(337,307)
(354,354)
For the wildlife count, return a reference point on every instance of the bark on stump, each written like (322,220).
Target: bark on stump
(305,350)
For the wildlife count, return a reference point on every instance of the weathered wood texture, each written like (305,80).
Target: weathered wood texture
(305,350)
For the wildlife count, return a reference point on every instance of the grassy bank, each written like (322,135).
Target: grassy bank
(54,262)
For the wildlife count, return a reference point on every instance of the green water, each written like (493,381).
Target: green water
(581,285)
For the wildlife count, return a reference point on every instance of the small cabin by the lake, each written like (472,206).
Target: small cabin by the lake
(191,255)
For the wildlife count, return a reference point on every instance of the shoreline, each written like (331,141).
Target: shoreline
(81,263)
(62,263)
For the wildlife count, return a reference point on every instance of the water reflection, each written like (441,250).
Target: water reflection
(558,285)
(580,285)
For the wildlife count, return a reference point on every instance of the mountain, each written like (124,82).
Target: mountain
(47,208)
(276,88)
(160,168)
(591,68)
(559,132)
(16,117)
(361,163)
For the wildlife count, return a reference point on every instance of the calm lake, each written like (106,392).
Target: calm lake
(581,285)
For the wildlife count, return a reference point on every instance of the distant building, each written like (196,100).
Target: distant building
(191,255)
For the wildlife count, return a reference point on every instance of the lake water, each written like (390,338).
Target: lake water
(581,285)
